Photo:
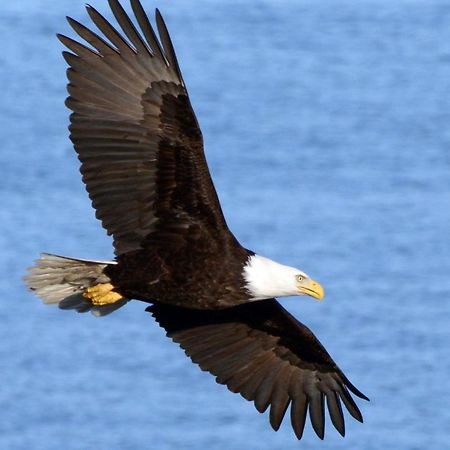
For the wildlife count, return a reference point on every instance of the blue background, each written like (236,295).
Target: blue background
(327,132)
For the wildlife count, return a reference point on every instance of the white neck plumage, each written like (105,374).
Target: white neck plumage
(265,278)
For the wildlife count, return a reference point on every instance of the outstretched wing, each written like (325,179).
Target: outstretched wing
(262,352)
(133,127)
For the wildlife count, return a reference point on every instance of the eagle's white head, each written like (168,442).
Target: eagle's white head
(265,278)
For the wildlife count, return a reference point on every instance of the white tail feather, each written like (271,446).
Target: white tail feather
(62,280)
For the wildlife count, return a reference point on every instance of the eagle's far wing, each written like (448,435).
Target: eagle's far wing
(133,127)
(262,352)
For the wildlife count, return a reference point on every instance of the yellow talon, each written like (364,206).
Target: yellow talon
(102,294)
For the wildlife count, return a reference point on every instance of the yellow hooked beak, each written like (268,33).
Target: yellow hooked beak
(311,288)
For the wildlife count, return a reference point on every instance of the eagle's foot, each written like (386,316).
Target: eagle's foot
(102,294)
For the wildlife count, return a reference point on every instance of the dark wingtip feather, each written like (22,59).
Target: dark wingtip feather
(278,410)
(69,57)
(261,404)
(335,412)
(354,389)
(357,392)
(167,44)
(317,414)
(72,21)
(350,404)
(128,27)
(299,408)
(147,30)
(93,12)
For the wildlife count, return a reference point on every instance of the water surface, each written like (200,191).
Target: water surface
(327,133)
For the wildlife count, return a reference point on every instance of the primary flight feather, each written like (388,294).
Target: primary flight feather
(142,161)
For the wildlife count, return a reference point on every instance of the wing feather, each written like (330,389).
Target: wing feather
(335,411)
(102,46)
(147,30)
(299,407)
(133,127)
(112,34)
(260,351)
(317,412)
(167,44)
(279,401)
(128,28)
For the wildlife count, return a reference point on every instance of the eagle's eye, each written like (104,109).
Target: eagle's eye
(300,277)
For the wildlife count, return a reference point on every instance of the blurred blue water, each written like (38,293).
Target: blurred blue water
(327,133)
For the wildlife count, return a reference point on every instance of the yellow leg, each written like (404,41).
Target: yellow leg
(102,294)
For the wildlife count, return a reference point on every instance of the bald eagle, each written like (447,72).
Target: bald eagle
(142,161)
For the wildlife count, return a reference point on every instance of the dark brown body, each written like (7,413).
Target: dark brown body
(197,271)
